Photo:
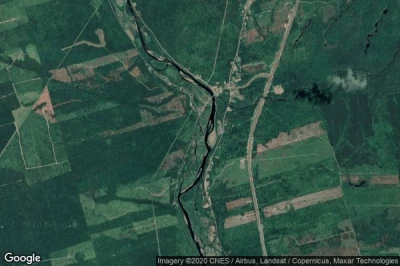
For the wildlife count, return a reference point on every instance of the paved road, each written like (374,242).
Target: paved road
(257,113)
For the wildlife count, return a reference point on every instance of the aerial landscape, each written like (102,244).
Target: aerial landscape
(131,129)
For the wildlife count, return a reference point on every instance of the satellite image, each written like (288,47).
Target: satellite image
(131,129)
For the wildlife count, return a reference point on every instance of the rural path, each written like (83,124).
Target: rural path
(257,113)
(261,75)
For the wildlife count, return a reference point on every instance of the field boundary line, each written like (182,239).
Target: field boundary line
(172,144)
(51,140)
(374,205)
(223,170)
(8,20)
(155,225)
(287,157)
(22,152)
(60,258)
(51,77)
(24,81)
(341,185)
(322,239)
(20,145)
(45,165)
(15,90)
(371,173)
(5,96)
(154,194)
(7,124)
(4,185)
(219,41)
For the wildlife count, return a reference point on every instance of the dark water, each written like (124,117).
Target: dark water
(210,123)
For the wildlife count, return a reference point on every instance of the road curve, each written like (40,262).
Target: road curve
(256,116)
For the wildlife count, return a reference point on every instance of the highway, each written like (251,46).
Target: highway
(256,116)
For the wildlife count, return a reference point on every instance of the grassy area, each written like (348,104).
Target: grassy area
(297,156)
(297,224)
(99,184)
(192,33)
(374,227)
(241,240)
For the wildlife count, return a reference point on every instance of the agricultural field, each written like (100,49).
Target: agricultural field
(135,129)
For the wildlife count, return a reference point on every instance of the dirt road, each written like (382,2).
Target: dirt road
(257,113)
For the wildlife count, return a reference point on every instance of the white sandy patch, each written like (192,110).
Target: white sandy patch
(278,90)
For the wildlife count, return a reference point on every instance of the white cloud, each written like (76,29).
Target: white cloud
(350,82)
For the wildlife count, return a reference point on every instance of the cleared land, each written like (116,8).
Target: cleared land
(303,201)
(295,135)
(238,203)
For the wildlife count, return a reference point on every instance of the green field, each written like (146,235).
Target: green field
(134,129)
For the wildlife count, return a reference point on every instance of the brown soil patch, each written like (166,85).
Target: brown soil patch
(307,238)
(276,209)
(328,13)
(280,20)
(237,220)
(261,148)
(173,159)
(384,180)
(80,72)
(152,122)
(175,104)
(60,75)
(108,59)
(237,203)
(114,75)
(147,116)
(85,70)
(345,225)
(130,34)
(158,98)
(252,36)
(212,138)
(100,36)
(136,72)
(44,106)
(295,135)
(355,180)
(317,197)
(242,165)
(278,90)
(303,201)
(211,233)
(254,68)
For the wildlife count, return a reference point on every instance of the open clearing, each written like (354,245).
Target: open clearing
(384,180)
(238,203)
(85,70)
(237,220)
(303,201)
(295,135)
(84,251)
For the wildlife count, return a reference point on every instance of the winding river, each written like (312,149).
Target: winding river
(210,124)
